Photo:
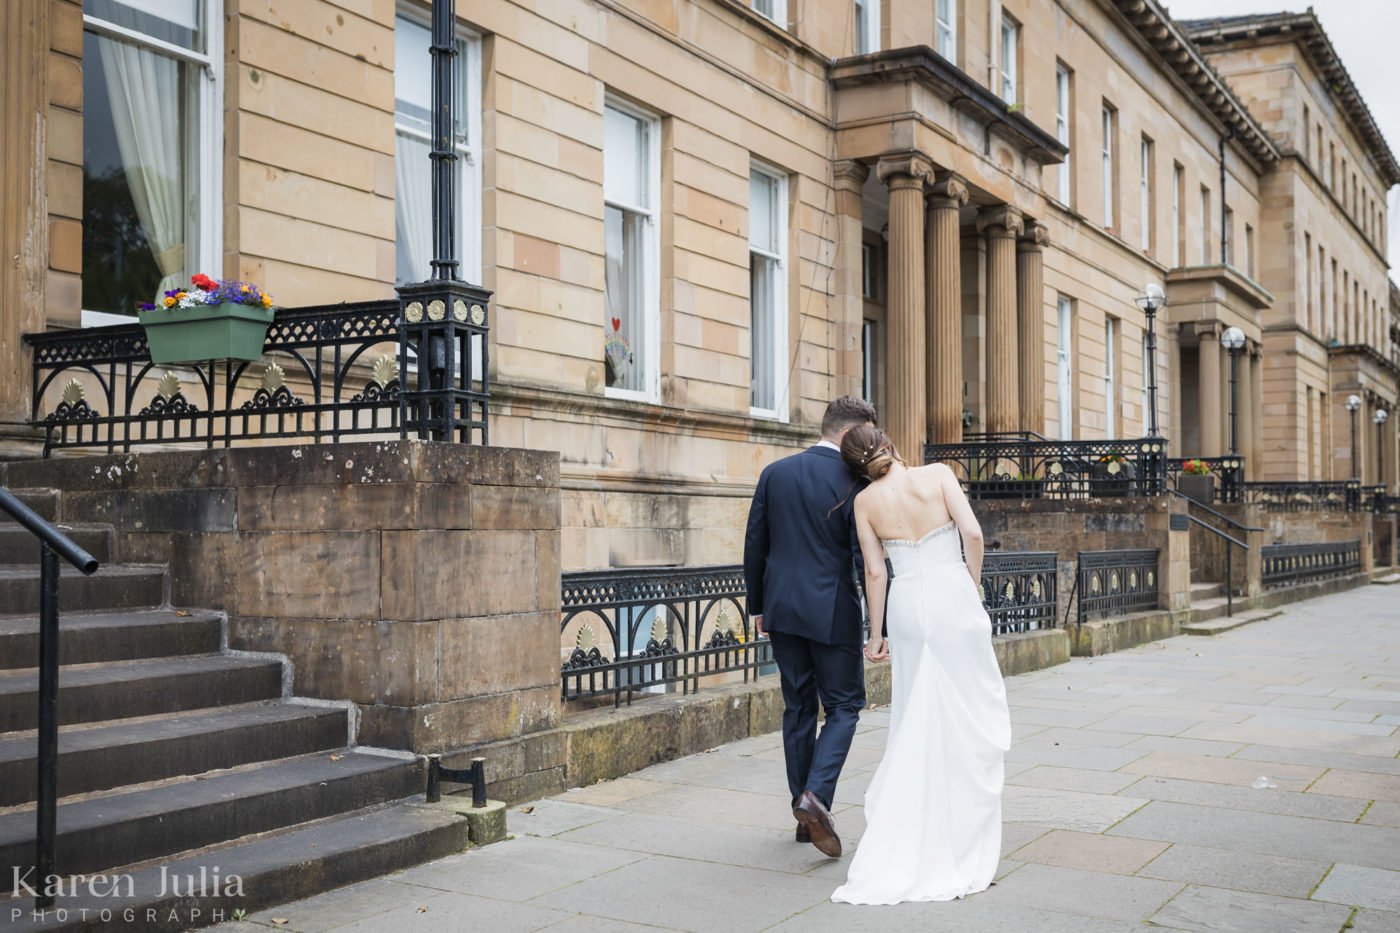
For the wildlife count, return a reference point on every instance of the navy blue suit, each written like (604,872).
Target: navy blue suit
(801,564)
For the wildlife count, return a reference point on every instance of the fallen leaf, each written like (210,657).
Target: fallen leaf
(422,910)
(336,757)
(181,612)
(527,809)
(280,921)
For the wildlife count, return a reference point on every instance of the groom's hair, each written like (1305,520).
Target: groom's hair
(845,412)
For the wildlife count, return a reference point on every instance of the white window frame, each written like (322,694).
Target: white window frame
(468,152)
(1064,375)
(1062,128)
(867,15)
(651,274)
(1178,258)
(209,140)
(945,29)
(1110,402)
(778,289)
(776,14)
(1010,48)
(1145,194)
(1110,129)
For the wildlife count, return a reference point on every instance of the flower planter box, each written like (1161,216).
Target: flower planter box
(1006,489)
(1200,488)
(206,332)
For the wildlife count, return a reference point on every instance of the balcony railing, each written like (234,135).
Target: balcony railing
(1292,564)
(1115,582)
(327,373)
(1028,466)
(1020,591)
(1342,496)
(1227,471)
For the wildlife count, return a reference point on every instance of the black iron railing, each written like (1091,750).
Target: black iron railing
(52,544)
(1027,466)
(1291,564)
(1113,583)
(1226,475)
(327,373)
(1020,590)
(1306,496)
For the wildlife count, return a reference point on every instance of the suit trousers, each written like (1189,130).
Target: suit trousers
(813,671)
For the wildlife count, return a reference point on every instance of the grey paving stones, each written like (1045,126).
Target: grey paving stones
(1090,851)
(552,817)
(1361,886)
(1265,874)
(518,869)
(1262,800)
(1076,779)
(1359,784)
(1087,893)
(1065,809)
(1217,909)
(1222,770)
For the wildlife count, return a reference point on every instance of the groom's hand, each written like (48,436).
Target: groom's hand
(758,626)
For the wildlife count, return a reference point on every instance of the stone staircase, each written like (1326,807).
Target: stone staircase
(176,755)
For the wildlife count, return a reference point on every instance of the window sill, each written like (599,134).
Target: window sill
(768,414)
(629,395)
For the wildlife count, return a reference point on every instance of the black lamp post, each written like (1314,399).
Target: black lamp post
(1353,405)
(1379,418)
(1151,301)
(1233,340)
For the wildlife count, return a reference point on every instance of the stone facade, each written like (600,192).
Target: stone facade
(929,214)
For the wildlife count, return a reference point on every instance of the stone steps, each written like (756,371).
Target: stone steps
(19,546)
(159,820)
(1223,623)
(139,751)
(44,502)
(112,636)
(113,586)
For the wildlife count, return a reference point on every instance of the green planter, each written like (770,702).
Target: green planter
(207,332)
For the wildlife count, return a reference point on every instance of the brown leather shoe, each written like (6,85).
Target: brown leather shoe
(803,834)
(813,815)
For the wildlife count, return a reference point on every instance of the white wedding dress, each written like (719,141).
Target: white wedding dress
(933,809)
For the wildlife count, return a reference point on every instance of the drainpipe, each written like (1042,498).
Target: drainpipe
(1228,135)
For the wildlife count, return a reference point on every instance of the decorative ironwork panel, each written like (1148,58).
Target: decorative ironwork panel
(1292,564)
(327,373)
(1027,466)
(1020,590)
(1341,496)
(1112,583)
(1228,472)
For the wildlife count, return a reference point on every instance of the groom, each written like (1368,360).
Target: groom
(801,562)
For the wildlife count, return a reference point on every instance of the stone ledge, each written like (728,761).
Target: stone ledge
(1103,636)
(1219,626)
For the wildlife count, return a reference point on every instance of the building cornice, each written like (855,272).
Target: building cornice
(1306,31)
(1230,278)
(923,65)
(1163,35)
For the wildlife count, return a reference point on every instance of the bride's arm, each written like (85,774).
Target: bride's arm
(961,511)
(876,580)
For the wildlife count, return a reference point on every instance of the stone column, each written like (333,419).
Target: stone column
(1030,317)
(1212,405)
(1001,226)
(1256,395)
(24,223)
(849,314)
(904,420)
(943,294)
(1245,387)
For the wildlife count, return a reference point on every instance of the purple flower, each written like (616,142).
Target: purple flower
(146,306)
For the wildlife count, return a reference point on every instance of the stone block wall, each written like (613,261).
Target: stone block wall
(418,580)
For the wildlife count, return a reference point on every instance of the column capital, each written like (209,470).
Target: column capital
(1035,238)
(1207,330)
(1001,220)
(850,175)
(948,189)
(905,170)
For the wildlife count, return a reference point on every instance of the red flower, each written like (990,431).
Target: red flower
(203,281)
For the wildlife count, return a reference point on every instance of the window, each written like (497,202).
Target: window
(152,112)
(776,10)
(1064,359)
(868,271)
(867,356)
(1338,296)
(767,291)
(1321,289)
(1110,401)
(1332,165)
(1062,123)
(946,29)
(1178,218)
(631,291)
(1227,235)
(1319,166)
(867,17)
(1307,281)
(1249,251)
(1145,194)
(1306,135)
(1205,226)
(1109,120)
(1010,49)
(413,186)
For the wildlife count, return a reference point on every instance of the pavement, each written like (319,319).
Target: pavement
(1244,782)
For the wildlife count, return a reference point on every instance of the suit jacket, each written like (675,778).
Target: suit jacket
(801,556)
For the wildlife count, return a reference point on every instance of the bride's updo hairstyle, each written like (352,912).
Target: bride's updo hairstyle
(868,451)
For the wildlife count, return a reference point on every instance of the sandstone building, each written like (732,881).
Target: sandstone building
(703,218)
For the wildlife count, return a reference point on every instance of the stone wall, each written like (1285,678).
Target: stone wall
(418,580)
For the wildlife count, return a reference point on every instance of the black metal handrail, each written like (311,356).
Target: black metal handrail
(1020,590)
(1230,542)
(53,544)
(1022,466)
(1233,523)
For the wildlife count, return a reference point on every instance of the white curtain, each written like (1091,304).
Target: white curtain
(413,208)
(143,89)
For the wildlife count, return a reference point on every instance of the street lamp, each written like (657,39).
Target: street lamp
(1151,301)
(1353,405)
(1233,340)
(1379,418)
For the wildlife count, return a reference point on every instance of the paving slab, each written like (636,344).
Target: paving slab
(1065,809)
(1222,770)
(1217,909)
(1076,779)
(1087,893)
(1361,886)
(454,911)
(518,869)
(1090,851)
(1375,921)
(1359,784)
(1262,800)
(552,817)
(1265,874)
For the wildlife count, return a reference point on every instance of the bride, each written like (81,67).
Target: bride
(933,809)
